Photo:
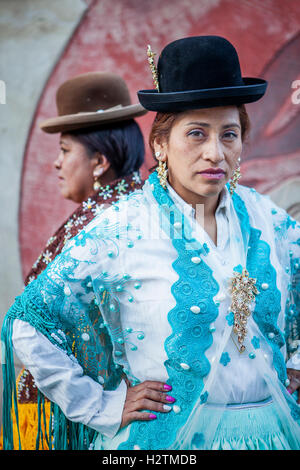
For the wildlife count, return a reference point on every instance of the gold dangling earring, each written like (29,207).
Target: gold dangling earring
(235,178)
(162,171)
(97,184)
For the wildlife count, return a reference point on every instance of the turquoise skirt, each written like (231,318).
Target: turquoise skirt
(251,427)
(254,426)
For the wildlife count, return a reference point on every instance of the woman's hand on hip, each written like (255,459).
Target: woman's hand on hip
(294,378)
(148,395)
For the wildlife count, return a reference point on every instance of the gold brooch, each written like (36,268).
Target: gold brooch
(153,68)
(243,291)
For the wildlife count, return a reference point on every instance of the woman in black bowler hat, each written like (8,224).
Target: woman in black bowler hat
(198,290)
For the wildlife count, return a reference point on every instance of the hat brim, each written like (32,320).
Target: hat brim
(77,121)
(252,90)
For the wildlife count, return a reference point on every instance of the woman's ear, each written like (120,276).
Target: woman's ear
(160,150)
(100,164)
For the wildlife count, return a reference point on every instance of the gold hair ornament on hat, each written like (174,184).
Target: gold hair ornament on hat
(153,68)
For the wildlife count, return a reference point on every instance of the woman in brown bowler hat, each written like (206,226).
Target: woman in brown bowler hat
(100,141)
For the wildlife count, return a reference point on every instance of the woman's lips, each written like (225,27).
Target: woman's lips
(212,174)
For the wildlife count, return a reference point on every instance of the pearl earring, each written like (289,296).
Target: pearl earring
(97,174)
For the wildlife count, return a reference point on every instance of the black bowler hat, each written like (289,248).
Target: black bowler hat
(200,72)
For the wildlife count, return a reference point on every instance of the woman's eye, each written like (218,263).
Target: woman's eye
(230,135)
(196,133)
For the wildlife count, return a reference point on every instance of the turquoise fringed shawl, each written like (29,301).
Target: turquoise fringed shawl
(46,306)
(62,434)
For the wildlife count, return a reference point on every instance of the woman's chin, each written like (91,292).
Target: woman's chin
(66,194)
(210,189)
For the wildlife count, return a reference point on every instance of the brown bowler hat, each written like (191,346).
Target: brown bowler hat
(90,100)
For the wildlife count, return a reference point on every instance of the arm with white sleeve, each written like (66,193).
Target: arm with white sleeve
(62,380)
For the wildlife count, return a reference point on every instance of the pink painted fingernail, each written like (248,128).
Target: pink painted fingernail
(290,391)
(152,416)
(167,387)
(170,399)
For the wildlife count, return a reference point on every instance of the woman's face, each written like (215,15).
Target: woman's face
(202,151)
(75,169)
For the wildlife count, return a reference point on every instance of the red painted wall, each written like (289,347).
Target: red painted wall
(114,35)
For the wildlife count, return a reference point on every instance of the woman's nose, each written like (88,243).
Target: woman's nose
(57,163)
(213,151)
